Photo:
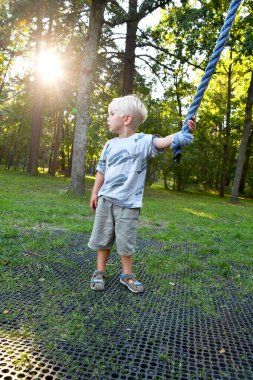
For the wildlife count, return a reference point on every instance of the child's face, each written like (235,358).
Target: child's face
(115,122)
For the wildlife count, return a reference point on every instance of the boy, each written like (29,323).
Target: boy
(118,189)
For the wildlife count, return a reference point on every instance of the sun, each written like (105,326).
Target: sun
(49,67)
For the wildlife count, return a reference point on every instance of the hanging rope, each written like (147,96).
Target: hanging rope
(176,146)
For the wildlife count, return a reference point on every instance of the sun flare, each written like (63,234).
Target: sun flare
(49,66)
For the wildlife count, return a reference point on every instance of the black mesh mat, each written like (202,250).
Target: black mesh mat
(155,335)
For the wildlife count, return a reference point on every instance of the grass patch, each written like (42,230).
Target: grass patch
(35,208)
(42,203)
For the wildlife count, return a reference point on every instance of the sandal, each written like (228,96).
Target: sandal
(135,286)
(97,281)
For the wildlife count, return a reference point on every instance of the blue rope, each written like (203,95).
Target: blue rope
(208,72)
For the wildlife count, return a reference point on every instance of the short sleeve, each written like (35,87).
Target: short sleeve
(101,166)
(154,151)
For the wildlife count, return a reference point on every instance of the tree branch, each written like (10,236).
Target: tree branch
(167,52)
(155,60)
(148,6)
(121,16)
(152,70)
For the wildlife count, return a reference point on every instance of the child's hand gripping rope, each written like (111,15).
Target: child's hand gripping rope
(185,136)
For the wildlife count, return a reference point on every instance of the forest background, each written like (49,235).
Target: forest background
(62,62)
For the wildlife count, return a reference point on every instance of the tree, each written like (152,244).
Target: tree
(130,46)
(88,66)
(227,129)
(55,22)
(192,31)
(56,143)
(132,20)
(244,30)
(246,164)
(37,97)
(87,71)
(63,26)
(243,146)
(183,39)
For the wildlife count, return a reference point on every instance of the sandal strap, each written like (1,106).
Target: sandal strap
(128,276)
(97,277)
(99,273)
(131,277)
(97,281)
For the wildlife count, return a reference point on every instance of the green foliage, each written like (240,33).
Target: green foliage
(188,36)
(183,39)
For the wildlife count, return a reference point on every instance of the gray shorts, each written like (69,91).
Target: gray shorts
(114,223)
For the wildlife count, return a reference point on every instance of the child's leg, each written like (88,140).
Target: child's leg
(127,264)
(97,281)
(125,232)
(102,258)
(127,278)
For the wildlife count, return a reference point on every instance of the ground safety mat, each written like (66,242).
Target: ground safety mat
(54,327)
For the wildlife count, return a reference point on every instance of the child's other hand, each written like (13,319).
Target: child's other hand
(93,202)
(191,124)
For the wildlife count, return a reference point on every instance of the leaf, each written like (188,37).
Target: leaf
(4,262)
(222,351)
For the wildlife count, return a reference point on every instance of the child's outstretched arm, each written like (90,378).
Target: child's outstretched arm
(165,142)
(94,195)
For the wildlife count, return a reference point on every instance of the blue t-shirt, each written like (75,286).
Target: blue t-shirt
(123,162)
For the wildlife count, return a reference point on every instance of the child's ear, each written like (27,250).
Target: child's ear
(128,120)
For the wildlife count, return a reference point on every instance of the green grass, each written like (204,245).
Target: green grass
(38,218)
(221,232)
(42,205)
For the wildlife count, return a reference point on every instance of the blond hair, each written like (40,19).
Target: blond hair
(129,105)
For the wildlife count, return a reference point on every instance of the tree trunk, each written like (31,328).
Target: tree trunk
(133,19)
(165,181)
(179,104)
(62,161)
(53,121)
(69,152)
(243,147)
(88,67)
(246,163)
(227,134)
(69,168)
(57,142)
(37,98)
(5,73)
(129,56)
(11,158)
